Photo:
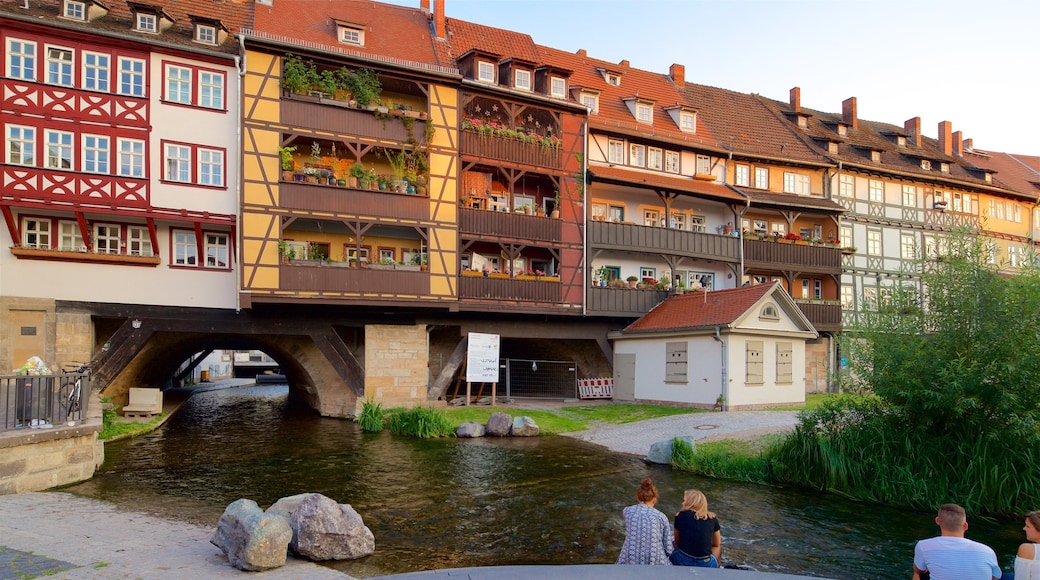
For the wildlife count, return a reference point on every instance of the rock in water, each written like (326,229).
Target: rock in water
(323,529)
(661,452)
(499,424)
(251,539)
(470,429)
(524,427)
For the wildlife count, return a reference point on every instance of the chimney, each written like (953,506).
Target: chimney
(945,139)
(958,146)
(678,74)
(848,112)
(581,52)
(624,63)
(913,129)
(438,15)
(968,145)
(796,99)
(425,5)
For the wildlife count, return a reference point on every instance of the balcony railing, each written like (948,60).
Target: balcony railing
(43,401)
(509,225)
(631,237)
(776,255)
(326,198)
(302,111)
(510,150)
(623,302)
(339,278)
(825,315)
(510,289)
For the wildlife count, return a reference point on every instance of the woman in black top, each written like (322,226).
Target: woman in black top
(698,538)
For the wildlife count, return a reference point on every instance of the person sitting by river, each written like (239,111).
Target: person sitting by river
(647,537)
(1027,561)
(951,556)
(698,537)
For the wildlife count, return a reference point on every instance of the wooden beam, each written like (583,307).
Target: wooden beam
(458,356)
(339,356)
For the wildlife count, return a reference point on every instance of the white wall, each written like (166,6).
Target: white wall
(704,370)
(769,392)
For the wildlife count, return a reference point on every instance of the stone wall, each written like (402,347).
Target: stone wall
(396,365)
(39,459)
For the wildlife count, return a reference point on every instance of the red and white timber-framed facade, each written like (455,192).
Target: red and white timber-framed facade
(119,168)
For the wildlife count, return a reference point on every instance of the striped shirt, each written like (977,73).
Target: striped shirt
(954,558)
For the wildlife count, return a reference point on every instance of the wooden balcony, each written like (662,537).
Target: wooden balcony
(336,117)
(759,254)
(343,200)
(623,302)
(499,224)
(825,315)
(631,237)
(509,150)
(337,279)
(510,289)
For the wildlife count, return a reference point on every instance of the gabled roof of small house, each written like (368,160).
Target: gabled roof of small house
(1020,173)
(719,308)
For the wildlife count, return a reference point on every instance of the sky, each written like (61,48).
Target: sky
(973,63)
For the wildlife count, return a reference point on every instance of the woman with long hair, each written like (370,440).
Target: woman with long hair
(698,537)
(1027,562)
(647,539)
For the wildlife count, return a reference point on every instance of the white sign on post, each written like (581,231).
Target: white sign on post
(482,358)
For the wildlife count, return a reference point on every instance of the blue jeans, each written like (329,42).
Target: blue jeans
(680,558)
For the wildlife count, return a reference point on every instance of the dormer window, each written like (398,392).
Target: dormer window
(843,129)
(146,22)
(802,121)
(644,113)
(205,34)
(901,141)
(74,10)
(590,100)
(485,71)
(944,167)
(614,79)
(832,147)
(875,156)
(522,80)
(557,88)
(350,36)
(688,121)
(926,165)
(989,178)
(348,32)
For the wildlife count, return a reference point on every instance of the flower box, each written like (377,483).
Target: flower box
(472,273)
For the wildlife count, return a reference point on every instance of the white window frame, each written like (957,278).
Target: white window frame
(591,101)
(907,247)
(138,241)
(207,34)
(761,178)
(796,183)
(698,223)
(846,186)
(703,165)
(742,175)
(350,35)
(652,217)
(211,89)
(36,233)
(671,161)
(218,254)
(558,87)
(485,71)
(107,238)
(178,83)
(131,157)
(60,66)
(146,22)
(21,145)
(688,121)
(96,154)
(132,77)
(522,79)
(644,113)
(654,158)
(678,220)
(185,250)
(637,155)
(847,297)
(21,59)
(210,167)
(59,145)
(615,151)
(909,196)
(177,163)
(876,190)
(97,71)
(874,242)
(70,237)
(74,10)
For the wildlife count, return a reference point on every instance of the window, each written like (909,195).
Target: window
(784,363)
(703,165)
(615,151)
(671,162)
(654,159)
(352,252)
(217,251)
(1016,255)
(753,362)
(70,237)
(678,221)
(705,280)
(208,34)
(59,66)
(944,167)
(907,247)
(599,212)
(874,242)
(178,84)
(95,71)
(138,242)
(36,234)
(644,113)
(106,238)
(75,10)
(926,164)
(742,175)
(21,145)
(847,301)
(591,101)
(185,252)
(698,223)
(177,163)
(675,362)
(387,254)
(796,183)
(131,77)
(21,60)
(817,288)
(760,226)
(688,121)
(211,90)
(846,186)
(59,150)
(350,35)
(131,158)
(557,87)
(146,22)
(846,236)
(637,155)
(95,154)
(779,228)
(651,217)
(613,79)
(909,196)
(485,71)
(992,251)
(761,178)
(522,80)
(211,167)
(876,190)
(616,213)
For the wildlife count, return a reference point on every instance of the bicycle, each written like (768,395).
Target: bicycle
(72,403)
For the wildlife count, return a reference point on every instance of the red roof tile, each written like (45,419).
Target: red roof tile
(701,309)
(628,176)
(1019,173)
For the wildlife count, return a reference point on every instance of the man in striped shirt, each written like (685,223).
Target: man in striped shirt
(951,556)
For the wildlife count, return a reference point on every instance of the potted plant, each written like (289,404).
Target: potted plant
(298,76)
(288,164)
(398,161)
(363,85)
(632,280)
(358,177)
(373,179)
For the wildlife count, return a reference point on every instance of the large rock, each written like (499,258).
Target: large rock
(524,427)
(470,429)
(251,539)
(499,424)
(323,529)
(661,452)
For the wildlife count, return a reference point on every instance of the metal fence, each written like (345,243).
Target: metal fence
(43,401)
(542,379)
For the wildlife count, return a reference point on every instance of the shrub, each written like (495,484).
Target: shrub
(371,417)
(421,422)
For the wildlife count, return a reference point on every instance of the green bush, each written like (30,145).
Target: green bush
(421,422)
(371,417)
(729,459)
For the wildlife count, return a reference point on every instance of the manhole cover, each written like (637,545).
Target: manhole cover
(706,427)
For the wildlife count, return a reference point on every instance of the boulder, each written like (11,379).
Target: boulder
(323,529)
(499,424)
(661,452)
(524,427)
(251,539)
(470,429)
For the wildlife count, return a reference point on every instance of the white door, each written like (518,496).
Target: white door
(624,376)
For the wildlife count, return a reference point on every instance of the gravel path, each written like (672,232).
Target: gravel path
(636,438)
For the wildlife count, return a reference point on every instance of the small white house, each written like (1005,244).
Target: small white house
(743,347)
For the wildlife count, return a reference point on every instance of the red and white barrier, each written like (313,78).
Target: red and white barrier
(596,388)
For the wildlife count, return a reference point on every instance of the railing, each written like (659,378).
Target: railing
(631,237)
(336,117)
(501,224)
(343,200)
(510,150)
(43,401)
(510,289)
(623,302)
(777,255)
(341,279)
(825,316)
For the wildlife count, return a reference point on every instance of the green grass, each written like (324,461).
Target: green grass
(115,428)
(569,418)
(623,413)
(549,422)
(814,401)
(728,459)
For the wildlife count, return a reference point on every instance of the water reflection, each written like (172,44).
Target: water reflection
(456,503)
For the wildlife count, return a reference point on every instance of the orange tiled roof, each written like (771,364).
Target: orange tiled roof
(627,176)
(1019,173)
(463,36)
(701,310)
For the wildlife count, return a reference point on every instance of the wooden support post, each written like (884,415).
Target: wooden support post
(494,386)
(467,393)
